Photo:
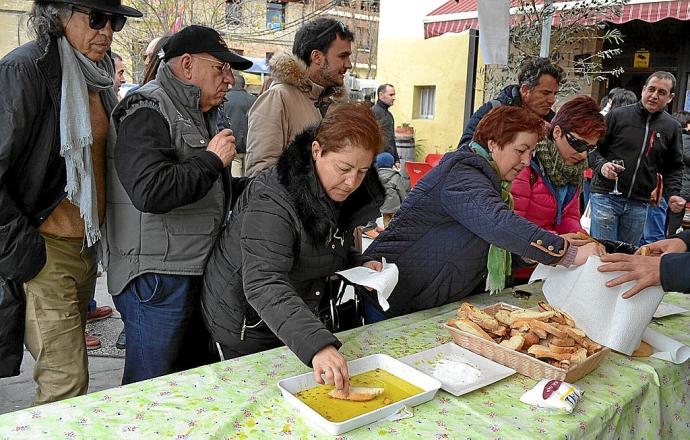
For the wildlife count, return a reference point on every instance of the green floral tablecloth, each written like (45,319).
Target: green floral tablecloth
(624,397)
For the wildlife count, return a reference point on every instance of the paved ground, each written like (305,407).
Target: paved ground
(105,364)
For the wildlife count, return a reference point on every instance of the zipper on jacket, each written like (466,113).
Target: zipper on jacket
(639,158)
(245,326)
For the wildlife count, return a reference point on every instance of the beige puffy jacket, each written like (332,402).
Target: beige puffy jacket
(283,111)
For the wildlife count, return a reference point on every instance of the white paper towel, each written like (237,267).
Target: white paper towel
(666,348)
(600,311)
(383,282)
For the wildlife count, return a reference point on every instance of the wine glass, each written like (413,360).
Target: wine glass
(620,167)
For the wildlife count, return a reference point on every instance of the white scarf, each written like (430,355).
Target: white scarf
(79,75)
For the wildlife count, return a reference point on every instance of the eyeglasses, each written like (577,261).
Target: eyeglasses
(222,67)
(578,144)
(98,19)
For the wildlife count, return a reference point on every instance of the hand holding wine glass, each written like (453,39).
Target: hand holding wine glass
(619,168)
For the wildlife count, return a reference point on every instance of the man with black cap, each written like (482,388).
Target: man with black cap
(169,191)
(57,96)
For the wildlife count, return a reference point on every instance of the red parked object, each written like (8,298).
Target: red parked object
(416,170)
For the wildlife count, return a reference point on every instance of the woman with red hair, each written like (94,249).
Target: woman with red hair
(290,230)
(547,192)
(455,231)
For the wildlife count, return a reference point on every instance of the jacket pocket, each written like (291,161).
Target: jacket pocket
(147,286)
(189,238)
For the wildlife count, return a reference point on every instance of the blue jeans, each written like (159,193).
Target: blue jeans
(157,310)
(617,218)
(655,225)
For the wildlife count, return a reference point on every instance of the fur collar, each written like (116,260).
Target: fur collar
(288,69)
(320,216)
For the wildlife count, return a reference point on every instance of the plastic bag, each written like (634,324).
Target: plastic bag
(553,395)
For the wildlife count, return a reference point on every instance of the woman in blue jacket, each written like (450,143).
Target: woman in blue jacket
(457,224)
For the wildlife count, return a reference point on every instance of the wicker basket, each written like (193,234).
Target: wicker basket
(521,362)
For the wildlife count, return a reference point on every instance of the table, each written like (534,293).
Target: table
(624,397)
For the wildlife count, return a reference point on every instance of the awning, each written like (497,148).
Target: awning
(458,16)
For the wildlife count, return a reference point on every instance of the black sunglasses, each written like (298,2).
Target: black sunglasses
(578,144)
(98,19)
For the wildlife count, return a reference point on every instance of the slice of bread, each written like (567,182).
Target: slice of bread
(356,394)
(468,326)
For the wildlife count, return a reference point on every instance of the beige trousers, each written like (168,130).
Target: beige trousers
(56,301)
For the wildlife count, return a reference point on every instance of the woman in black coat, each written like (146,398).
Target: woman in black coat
(290,230)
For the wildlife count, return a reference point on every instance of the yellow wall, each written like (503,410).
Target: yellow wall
(440,62)
(12,24)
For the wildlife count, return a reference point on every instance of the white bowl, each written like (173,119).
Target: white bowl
(290,386)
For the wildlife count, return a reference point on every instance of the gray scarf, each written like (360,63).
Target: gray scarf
(79,75)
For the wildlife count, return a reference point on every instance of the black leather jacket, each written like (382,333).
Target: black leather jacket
(32,172)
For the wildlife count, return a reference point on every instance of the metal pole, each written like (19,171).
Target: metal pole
(472,54)
(546,31)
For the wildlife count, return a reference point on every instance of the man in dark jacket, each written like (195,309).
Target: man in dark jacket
(386,98)
(667,266)
(538,83)
(57,95)
(648,141)
(235,111)
(168,196)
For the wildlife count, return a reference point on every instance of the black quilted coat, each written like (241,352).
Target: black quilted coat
(268,272)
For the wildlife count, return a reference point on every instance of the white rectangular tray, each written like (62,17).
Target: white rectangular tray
(425,361)
(290,386)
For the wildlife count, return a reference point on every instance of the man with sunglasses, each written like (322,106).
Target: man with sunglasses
(58,94)
(170,190)
(305,83)
(648,141)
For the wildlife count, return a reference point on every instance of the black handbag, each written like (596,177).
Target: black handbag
(12,316)
(336,315)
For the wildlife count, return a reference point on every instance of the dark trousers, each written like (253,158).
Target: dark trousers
(164,330)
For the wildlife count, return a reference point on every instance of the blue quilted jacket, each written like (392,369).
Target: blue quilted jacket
(440,237)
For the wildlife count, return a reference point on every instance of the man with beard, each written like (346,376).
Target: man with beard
(169,193)
(305,83)
(646,140)
(57,95)
(538,83)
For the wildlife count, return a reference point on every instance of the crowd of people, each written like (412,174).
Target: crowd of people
(212,255)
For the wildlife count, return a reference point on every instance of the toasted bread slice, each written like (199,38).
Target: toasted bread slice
(483,320)
(591,346)
(531,338)
(356,394)
(579,356)
(644,350)
(502,330)
(468,326)
(539,351)
(514,343)
(521,315)
(549,328)
(560,349)
(576,334)
(503,316)
(567,342)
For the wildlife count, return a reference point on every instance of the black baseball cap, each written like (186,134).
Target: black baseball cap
(199,39)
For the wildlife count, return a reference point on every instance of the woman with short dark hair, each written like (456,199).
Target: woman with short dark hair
(547,192)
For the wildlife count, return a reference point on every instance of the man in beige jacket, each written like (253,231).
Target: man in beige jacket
(305,83)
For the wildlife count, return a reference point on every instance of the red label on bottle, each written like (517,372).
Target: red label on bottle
(550,387)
